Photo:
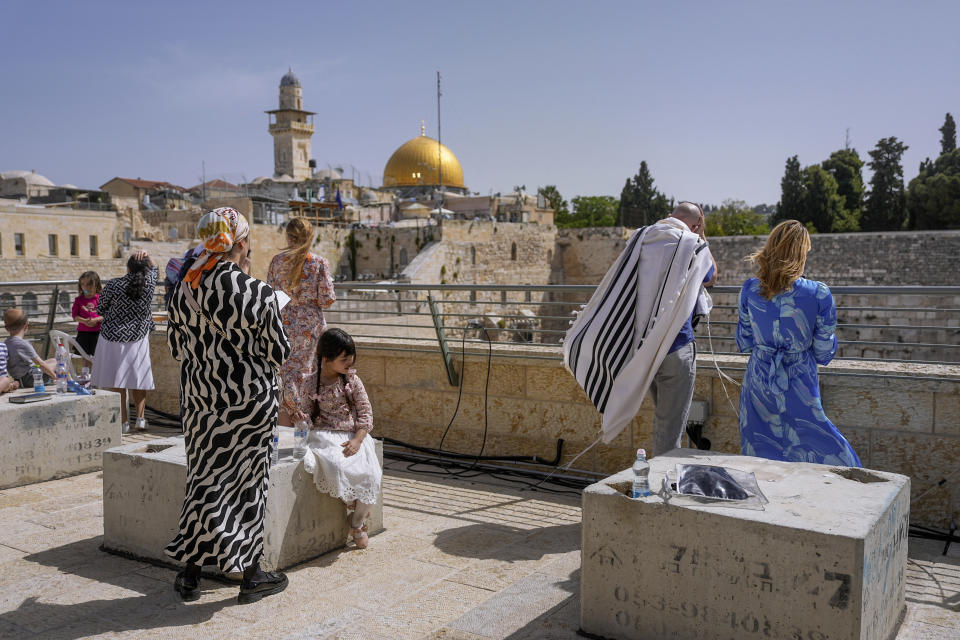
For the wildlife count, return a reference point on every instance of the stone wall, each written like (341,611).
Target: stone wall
(584,255)
(497,252)
(866,259)
(899,417)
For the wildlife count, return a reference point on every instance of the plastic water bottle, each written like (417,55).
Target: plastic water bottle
(641,475)
(38,386)
(300,432)
(62,356)
(275,443)
(84,378)
(61,378)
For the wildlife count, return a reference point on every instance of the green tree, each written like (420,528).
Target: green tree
(790,206)
(822,205)
(735,218)
(554,200)
(948,135)
(846,167)
(933,197)
(591,211)
(640,202)
(886,204)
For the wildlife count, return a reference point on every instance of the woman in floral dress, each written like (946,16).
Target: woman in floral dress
(305,277)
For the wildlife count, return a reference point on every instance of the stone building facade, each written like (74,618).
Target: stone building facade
(60,234)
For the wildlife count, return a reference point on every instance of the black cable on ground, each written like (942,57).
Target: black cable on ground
(518,476)
(162,419)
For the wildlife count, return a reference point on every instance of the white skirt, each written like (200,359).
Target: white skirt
(122,365)
(355,478)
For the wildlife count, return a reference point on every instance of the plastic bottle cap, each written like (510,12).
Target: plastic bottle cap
(642,452)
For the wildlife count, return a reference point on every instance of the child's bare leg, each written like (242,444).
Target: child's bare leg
(360,514)
(358,530)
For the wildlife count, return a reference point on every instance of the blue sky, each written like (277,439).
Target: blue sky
(713,95)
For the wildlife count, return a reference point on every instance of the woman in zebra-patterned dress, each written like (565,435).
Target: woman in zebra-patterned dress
(226,332)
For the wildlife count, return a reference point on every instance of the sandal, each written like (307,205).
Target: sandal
(360,537)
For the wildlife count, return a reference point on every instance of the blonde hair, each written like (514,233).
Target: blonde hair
(300,234)
(782,259)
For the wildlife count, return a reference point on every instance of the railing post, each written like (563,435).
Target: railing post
(51,316)
(442,339)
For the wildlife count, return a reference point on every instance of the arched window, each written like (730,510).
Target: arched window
(473,255)
(473,296)
(7,301)
(403,256)
(28,302)
(513,251)
(64,302)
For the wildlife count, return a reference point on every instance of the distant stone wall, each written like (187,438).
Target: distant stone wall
(380,251)
(869,259)
(497,252)
(584,255)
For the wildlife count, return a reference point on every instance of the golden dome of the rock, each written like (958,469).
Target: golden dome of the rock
(422,162)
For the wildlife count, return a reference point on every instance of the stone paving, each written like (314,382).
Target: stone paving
(460,560)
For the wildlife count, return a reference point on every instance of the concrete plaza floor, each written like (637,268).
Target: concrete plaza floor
(460,560)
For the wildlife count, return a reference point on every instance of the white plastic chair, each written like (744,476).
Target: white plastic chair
(71,342)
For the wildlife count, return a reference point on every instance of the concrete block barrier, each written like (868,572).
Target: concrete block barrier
(825,559)
(62,436)
(143,487)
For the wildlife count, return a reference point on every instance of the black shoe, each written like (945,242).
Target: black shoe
(267,584)
(188,590)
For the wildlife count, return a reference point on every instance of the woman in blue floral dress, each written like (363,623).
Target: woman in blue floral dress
(787,324)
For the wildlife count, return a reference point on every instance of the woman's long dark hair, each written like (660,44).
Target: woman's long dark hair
(138,277)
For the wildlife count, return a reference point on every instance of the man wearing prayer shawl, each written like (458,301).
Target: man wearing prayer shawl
(636,332)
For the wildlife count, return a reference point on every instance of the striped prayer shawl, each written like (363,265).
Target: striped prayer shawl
(619,339)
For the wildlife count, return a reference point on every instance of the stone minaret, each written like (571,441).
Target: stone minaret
(291,128)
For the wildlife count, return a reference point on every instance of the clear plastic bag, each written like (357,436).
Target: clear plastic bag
(705,485)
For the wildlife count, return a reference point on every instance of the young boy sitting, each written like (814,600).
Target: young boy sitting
(6,382)
(20,353)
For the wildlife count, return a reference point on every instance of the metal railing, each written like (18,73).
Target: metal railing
(49,305)
(908,324)
(923,327)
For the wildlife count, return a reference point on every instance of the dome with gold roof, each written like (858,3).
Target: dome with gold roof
(423,162)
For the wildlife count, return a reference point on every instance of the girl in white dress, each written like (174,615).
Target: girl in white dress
(340,454)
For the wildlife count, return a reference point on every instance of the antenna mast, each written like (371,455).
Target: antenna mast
(439,145)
